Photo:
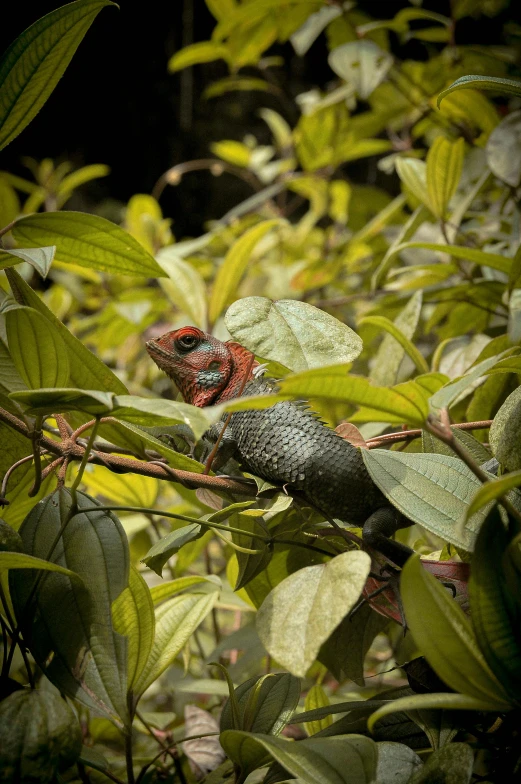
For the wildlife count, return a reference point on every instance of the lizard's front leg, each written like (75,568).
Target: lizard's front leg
(379,527)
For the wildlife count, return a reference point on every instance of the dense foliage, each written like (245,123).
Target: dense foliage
(139,591)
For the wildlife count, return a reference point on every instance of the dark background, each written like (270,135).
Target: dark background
(116,103)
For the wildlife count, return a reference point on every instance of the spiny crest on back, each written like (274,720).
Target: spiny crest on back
(204,369)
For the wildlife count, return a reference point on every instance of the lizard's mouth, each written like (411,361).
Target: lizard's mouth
(154,348)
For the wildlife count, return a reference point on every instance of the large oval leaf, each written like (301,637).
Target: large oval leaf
(36,61)
(296,334)
(40,736)
(326,593)
(446,638)
(432,490)
(69,624)
(36,348)
(89,241)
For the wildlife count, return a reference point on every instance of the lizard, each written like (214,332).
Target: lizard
(286,443)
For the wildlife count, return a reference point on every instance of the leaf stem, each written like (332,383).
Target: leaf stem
(86,455)
(36,438)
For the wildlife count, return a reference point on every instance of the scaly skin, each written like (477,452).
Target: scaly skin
(285,443)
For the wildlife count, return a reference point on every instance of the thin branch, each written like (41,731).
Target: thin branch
(408,435)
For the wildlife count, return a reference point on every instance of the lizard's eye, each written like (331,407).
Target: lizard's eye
(187,342)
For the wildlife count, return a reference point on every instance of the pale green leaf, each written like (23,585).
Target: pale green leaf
(432,490)
(362,64)
(409,348)
(504,432)
(504,150)
(413,174)
(293,634)
(290,332)
(39,258)
(184,287)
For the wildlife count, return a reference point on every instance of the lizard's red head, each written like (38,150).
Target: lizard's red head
(204,369)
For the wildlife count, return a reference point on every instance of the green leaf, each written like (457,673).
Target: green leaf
(504,432)
(184,287)
(388,358)
(69,624)
(396,763)
(164,591)
(435,701)
(296,334)
(35,62)
(201,52)
(389,326)
(504,149)
(432,490)
(161,551)
(316,698)
(41,735)
(133,617)
(345,650)
(492,260)
(327,592)
(264,704)
(361,64)
(49,401)
(302,39)
(494,490)
(346,760)
(10,379)
(80,177)
(452,763)
(451,392)
(496,612)
(12,560)
(446,638)
(406,402)
(476,81)
(153,412)
(89,241)
(176,621)
(444,167)
(234,266)
(39,258)
(86,370)
(413,174)
(36,348)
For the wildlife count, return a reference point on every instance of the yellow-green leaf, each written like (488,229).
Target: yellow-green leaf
(234,266)
(444,167)
(36,348)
